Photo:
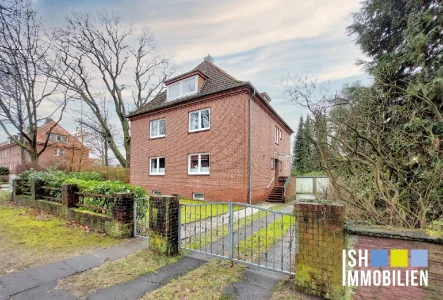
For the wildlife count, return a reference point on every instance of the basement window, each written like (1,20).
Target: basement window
(155,192)
(198,196)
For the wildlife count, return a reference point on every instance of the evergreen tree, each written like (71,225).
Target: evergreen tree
(297,156)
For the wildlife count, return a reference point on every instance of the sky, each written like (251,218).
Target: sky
(256,41)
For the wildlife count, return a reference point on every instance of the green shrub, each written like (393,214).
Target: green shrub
(4,170)
(87,182)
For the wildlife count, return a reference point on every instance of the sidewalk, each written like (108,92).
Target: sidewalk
(35,282)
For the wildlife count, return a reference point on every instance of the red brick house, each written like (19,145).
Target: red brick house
(63,149)
(210,136)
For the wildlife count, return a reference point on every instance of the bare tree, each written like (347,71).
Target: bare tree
(100,53)
(382,159)
(25,76)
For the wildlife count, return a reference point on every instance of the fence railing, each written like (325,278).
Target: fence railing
(97,203)
(49,193)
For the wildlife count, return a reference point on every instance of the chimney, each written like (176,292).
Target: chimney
(209,58)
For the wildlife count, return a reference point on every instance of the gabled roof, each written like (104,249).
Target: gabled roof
(56,129)
(217,80)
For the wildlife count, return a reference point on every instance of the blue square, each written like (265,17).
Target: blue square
(379,258)
(419,258)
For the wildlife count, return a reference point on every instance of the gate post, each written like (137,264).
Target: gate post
(164,224)
(230,231)
(318,261)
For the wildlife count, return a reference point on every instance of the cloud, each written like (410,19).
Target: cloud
(257,41)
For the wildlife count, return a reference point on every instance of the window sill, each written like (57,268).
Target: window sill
(199,130)
(193,174)
(160,174)
(157,137)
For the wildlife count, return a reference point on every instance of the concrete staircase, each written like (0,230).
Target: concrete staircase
(276,195)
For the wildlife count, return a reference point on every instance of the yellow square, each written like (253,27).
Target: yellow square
(399,258)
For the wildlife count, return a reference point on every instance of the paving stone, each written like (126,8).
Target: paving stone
(136,288)
(51,272)
(255,284)
(83,262)
(18,282)
(45,291)
(4,295)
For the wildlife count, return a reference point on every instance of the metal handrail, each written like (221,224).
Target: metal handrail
(273,178)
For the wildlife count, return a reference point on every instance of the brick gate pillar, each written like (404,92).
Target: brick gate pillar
(164,224)
(318,261)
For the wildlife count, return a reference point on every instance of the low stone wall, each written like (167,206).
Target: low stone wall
(387,238)
(120,224)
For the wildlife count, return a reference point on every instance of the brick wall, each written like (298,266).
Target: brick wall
(435,265)
(225,141)
(263,149)
(318,259)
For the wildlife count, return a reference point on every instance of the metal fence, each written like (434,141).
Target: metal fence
(240,232)
(141,217)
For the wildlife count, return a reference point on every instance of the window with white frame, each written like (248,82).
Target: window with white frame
(182,88)
(272,163)
(59,152)
(199,120)
(157,128)
(280,133)
(198,196)
(276,135)
(198,164)
(157,166)
(155,192)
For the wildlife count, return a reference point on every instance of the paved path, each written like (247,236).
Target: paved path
(136,288)
(33,283)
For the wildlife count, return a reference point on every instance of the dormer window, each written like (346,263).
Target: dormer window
(182,88)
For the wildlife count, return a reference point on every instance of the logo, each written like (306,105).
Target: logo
(395,267)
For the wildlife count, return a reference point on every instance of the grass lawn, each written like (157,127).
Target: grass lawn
(193,213)
(30,238)
(266,237)
(205,282)
(115,272)
(222,231)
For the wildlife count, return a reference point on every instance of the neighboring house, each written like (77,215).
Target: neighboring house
(210,136)
(63,149)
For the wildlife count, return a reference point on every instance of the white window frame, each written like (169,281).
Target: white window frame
(181,95)
(156,192)
(276,130)
(198,198)
(199,164)
(273,163)
(199,120)
(59,152)
(158,173)
(158,129)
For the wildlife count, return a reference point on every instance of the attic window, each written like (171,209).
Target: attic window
(182,88)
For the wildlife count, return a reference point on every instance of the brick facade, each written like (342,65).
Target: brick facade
(227,142)
(75,154)
(435,269)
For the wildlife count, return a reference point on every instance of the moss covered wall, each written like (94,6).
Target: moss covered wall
(318,261)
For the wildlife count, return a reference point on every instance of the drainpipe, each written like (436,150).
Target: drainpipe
(250,148)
